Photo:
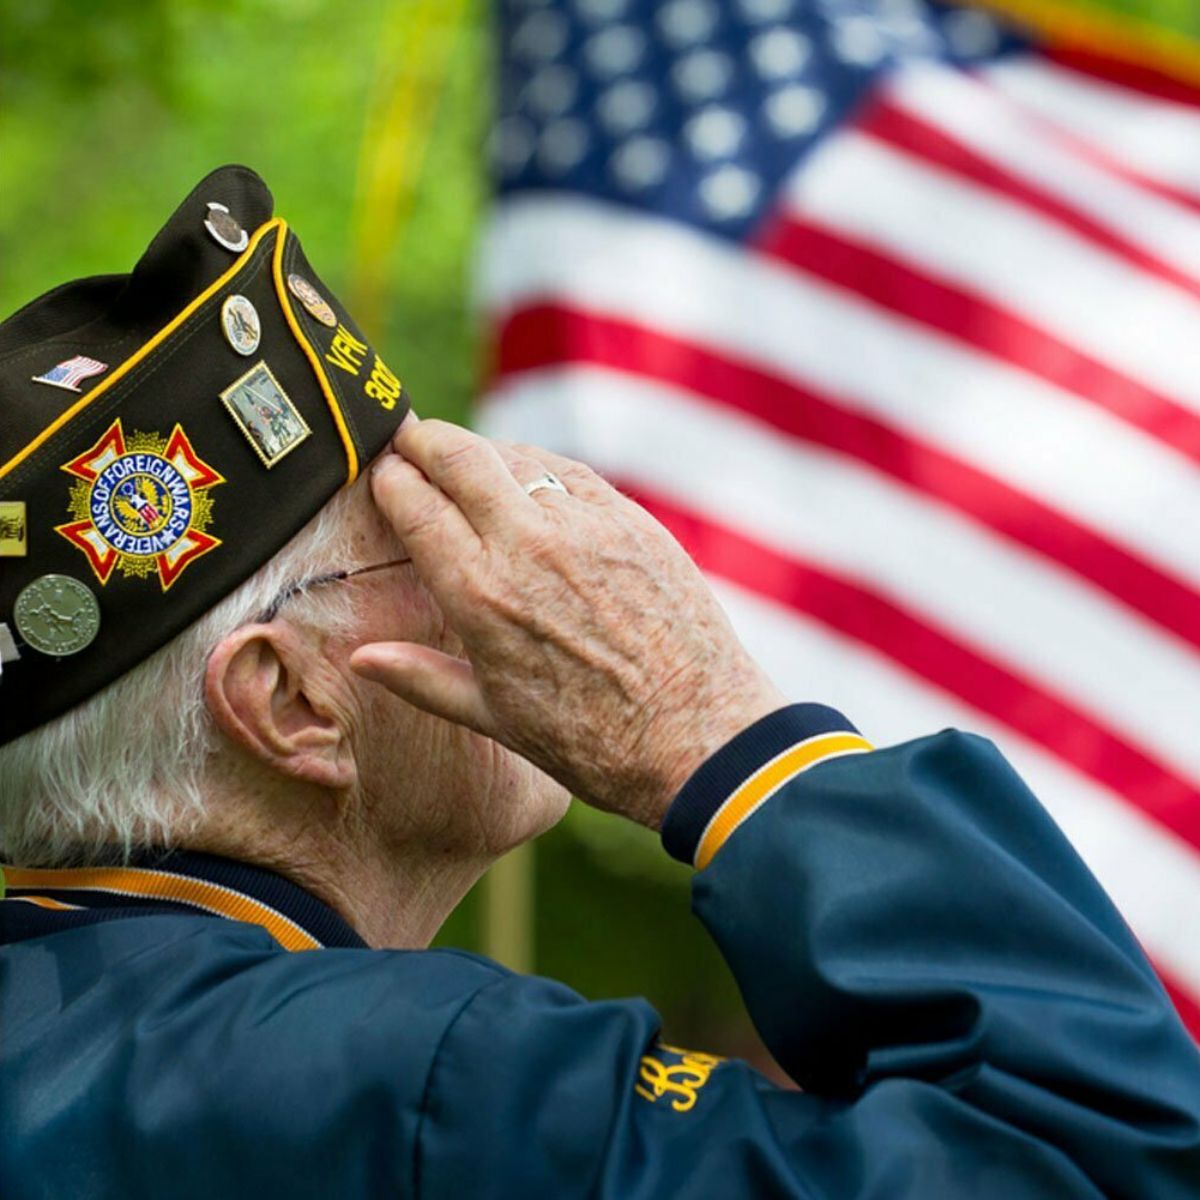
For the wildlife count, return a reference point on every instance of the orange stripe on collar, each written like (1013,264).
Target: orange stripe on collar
(161,885)
(45,902)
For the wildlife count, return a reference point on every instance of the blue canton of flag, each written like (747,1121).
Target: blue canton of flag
(696,108)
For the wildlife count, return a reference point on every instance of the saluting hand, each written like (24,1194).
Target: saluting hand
(593,646)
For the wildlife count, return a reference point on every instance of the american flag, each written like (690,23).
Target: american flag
(71,373)
(894,319)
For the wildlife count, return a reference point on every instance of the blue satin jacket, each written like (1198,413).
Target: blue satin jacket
(964,1010)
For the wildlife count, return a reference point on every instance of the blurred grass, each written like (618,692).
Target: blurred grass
(1178,16)
(1181,15)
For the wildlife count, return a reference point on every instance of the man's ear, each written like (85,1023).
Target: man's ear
(262,688)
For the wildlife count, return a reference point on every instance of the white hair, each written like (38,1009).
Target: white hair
(125,769)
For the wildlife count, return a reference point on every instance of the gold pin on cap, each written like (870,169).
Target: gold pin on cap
(313,301)
(13,529)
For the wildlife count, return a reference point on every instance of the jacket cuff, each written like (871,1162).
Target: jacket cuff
(744,774)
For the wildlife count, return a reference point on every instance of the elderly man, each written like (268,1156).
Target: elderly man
(274,706)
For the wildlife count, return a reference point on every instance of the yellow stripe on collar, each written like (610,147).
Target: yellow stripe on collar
(767,780)
(162,885)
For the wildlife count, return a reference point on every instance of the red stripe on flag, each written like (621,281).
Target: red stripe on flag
(856,611)
(1130,75)
(975,321)
(903,131)
(550,335)
(1186,1005)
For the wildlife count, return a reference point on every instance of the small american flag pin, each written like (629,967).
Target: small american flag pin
(71,373)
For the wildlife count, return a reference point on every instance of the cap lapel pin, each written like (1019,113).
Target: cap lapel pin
(57,615)
(315,304)
(71,372)
(224,228)
(240,324)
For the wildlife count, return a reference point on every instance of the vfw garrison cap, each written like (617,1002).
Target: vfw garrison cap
(162,435)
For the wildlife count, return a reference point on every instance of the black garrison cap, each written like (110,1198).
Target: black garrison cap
(162,435)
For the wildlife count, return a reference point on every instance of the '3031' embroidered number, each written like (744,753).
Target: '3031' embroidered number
(383,385)
(681,1080)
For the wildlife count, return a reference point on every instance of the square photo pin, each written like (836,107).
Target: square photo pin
(265,414)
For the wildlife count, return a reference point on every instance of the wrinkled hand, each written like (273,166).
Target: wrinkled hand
(593,646)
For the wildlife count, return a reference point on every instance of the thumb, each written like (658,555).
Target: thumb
(428,679)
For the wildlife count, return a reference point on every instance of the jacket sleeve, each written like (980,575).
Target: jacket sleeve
(924,954)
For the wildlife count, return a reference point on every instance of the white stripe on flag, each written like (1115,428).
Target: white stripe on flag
(1011,606)
(1157,137)
(1023,146)
(1039,438)
(1153,877)
(1003,250)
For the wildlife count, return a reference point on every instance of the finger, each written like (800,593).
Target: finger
(410,419)
(578,478)
(426,678)
(525,470)
(430,525)
(468,469)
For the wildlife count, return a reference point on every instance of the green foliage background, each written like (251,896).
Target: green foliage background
(1181,15)
(109,114)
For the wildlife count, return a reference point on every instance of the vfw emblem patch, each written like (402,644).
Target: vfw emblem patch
(141,503)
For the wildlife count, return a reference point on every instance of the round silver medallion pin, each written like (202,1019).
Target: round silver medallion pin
(224,228)
(240,324)
(57,615)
